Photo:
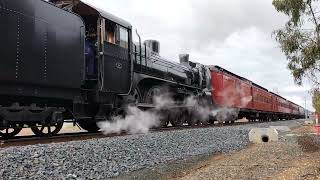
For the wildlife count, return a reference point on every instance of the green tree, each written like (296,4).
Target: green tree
(316,99)
(299,39)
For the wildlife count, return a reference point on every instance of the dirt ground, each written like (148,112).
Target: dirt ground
(295,157)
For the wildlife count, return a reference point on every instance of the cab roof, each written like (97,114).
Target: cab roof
(109,16)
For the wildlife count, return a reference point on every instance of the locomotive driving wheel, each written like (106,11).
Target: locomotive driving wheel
(89,125)
(177,119)
(47,130)
(153,92)
(10,132)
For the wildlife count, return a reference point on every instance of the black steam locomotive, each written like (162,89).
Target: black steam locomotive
(66,60)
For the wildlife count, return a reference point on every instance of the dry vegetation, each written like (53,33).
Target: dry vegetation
(296,157)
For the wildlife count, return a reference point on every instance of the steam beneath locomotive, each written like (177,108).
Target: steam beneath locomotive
(137,121)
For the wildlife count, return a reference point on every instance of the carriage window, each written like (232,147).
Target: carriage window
(124,37)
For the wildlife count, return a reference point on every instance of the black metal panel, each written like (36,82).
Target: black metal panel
(8,44)
(42,46)
(31,50)
(117,69)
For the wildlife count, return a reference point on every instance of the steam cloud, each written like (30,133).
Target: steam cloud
(138,121)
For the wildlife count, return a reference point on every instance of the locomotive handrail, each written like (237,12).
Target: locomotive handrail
(155,59)
(170,64)
(140,49)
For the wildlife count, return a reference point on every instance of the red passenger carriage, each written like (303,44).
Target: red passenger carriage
(251,100)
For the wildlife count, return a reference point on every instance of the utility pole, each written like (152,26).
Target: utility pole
(305,107)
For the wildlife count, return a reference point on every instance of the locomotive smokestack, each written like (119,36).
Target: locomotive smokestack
(184,59)
(153,45)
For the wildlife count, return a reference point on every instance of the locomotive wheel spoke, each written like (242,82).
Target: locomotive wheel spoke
(10,132)
(152,93)
(47,130)
(177,120)
(137,96)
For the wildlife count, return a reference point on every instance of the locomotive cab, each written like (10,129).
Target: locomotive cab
(90,19)
(107,50)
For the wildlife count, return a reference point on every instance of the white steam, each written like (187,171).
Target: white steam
(163,101)
(136,121)
(225,114)
(231,97)
(200,110)
(196,111)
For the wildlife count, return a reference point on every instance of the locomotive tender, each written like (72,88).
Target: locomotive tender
(67,60)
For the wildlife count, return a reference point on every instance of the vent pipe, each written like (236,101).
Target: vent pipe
(184,59)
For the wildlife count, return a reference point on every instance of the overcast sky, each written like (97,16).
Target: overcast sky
(234,34)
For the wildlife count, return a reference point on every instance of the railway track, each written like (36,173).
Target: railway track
(67,137)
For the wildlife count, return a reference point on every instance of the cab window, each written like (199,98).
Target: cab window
(110,35)
(116,34)
(124,37)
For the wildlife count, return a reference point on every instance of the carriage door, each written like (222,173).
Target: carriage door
(116,57)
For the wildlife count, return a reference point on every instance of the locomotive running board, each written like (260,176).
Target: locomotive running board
(149,106)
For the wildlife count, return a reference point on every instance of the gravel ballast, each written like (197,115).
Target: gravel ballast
(109,157)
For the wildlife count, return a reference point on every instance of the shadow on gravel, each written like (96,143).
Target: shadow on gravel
(171,170)
(309,143)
